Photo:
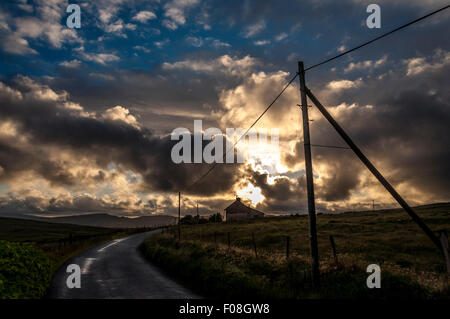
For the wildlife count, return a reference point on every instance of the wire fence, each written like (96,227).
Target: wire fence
(231,241)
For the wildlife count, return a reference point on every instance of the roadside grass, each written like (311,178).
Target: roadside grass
(24,271)
(411,266)
(29,247)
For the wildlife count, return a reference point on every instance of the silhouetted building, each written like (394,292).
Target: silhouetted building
(239,211)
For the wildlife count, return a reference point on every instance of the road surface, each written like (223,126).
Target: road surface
(116,269)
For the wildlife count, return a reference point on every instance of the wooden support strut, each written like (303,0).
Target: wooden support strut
(445,249)
(374,171)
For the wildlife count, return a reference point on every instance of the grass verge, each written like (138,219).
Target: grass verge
(411,266)
(25,272)
(215,272)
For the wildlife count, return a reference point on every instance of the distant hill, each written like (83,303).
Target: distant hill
(110,221)
(21,229)
(100,220)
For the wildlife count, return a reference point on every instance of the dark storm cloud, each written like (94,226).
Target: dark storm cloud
(342,165)
(14,160)
(412,136)
(86,203)
(162,99)
(283,196)
(44,122)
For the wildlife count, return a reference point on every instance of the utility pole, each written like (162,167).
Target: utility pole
(198,216)
(179,215)
(373,205)
(314,250)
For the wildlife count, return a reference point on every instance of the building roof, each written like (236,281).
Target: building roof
(239,205)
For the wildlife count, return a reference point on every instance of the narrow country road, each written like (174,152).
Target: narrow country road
(116,269)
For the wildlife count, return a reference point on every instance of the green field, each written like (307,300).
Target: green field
(411,265)
(31,251)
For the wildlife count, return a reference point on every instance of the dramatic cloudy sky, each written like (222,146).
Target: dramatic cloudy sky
(86,114)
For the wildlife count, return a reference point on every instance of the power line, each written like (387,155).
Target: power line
(251,126)
(377,38)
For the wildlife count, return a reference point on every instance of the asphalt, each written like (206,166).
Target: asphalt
(116,269)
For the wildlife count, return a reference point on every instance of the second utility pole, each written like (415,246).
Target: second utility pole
(309,181)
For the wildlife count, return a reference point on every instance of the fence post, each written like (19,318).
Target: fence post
(288,239)
(444,242)
(229,240)
(254,244)
(333,246)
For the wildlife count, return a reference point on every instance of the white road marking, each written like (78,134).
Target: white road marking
(112,244)
(87,264)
